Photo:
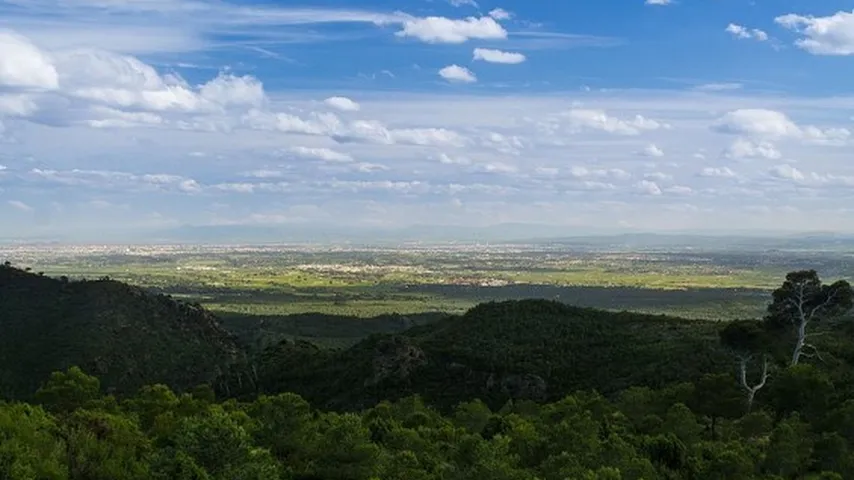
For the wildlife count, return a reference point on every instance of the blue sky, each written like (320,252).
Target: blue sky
(138,115)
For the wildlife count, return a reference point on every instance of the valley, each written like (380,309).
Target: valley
(516,361)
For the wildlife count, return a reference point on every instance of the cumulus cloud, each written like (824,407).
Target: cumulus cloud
(326,154)
(449,160)
(743,148)
(500,14)
(722,172)
(107,90)
(648,187)
(765,123)
(658,2)
(741,32)
(343,104)
(503,155)
(830,35)
(498,56)
(315,124)
(23,65)
(230,90)
(579,171)
(759,122)
(787,172)
(652,150)
(581,119)
(810,179)
(446,30)
(456,73)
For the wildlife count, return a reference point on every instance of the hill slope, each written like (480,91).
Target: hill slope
(122,334)
(529,349)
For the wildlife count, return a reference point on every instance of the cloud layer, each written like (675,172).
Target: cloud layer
(94,134)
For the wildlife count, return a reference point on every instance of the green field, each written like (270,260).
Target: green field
(366,282)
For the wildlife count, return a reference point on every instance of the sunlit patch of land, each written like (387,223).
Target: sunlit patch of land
(365,282)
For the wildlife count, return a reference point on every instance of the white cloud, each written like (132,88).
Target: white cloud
(719,87)
(830,35)
(759,122)
(658,2)
(497,56)
(19,205)
(462,3)
(326,154)
(366,167)
(648,187)
(263,173)
(23,65)
(679,190)
(497,167)
(316,124)
(652,150)
(658,176)
(448,160)
(743,148)
(722,172)
(500,14)
(144,27)
(763,123)
(600,120)
(427,136)
(609,173)
(402,158)
(787,172)
(741,32)
(446,30)
(343,104)
(229,90)
(456,73)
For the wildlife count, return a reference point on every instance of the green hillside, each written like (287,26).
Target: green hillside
(535,349)
(123,335)
(501,392)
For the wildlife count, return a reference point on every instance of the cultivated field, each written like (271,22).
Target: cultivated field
(365,282)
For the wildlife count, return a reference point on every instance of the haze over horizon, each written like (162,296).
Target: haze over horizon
(655,116)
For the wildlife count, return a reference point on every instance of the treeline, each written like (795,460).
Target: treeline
(774,400)
(685,431)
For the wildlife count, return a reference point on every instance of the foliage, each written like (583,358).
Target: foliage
(516,390)
(121,333)
(159,434)
(529,349)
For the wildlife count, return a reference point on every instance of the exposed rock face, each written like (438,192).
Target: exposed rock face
(396,358)
(524,387)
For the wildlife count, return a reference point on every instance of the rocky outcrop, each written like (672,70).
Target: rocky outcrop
(524,387)
(395,358)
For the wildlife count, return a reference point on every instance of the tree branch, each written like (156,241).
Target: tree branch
(815,353)
(823,304)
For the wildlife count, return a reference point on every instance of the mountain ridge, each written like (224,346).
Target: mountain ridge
(121,333)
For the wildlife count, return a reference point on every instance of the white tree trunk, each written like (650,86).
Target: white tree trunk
(752,389)
(800,342)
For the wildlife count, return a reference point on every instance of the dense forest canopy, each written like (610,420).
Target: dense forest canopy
(527,389)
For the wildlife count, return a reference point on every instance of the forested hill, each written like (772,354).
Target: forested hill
(531,349)
(122,334)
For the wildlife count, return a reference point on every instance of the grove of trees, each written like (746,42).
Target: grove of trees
(784,410)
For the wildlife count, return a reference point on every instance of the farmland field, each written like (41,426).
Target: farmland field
(365,282)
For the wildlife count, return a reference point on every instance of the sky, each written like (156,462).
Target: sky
(652,115)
